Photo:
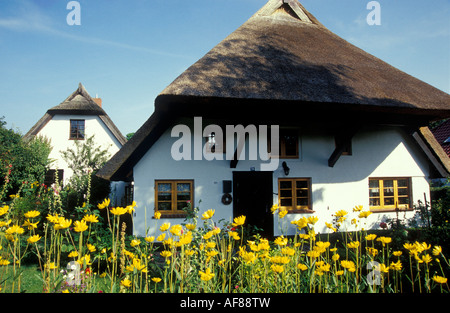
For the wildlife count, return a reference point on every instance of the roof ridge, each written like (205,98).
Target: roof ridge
(290,7)
(81,90)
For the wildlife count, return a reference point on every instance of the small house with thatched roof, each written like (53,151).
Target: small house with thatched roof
(335,127)
(75,119)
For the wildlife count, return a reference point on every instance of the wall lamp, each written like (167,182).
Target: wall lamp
(285,168)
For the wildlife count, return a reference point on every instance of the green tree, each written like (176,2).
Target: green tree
(85,159)
(27,160)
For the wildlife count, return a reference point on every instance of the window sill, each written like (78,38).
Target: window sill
(301,211)
(387,210)
(172,215)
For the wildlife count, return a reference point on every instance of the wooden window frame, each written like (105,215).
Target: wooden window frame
(50,177)
(390,208)
(295,208)
(282,144)
(78,134)
(173,213)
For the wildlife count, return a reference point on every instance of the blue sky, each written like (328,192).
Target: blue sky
(127,52)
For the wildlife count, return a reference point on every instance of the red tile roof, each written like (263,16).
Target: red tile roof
(442,133)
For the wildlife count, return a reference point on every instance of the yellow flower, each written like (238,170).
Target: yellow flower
(176,230)
(238,221)
(31,214)
(73,254)
(312,220)
(161,237)
(210,254)
(185,239)
(136,264)
(208,214)
(282,213)
(126,282)
(372,251)
(280,259)
(150,239)
(53,218)
(349,265)
(2,224)
(281,241)
(437,250)
(234,235)
(3,210)
(277,268)
(91,248)
(157,215)
(104,204)
(166,254)
(439,279)
(301,223)
(156,279)
(164,227)
(364,214)
(118,211)
(248,257)
(427,258)
(62,223)
(302,267)
(91,218)
(335,257)
(330,226)
(30,225)
(15,229)
(274,208)
(397,266)
(288,251)
(384,240)
(51,266)
(371,237)
(135,242)
(353,244)
(358,208)
(397,253)
(341,213)
(33,239)
(80,226)
(206,275)
(191,226)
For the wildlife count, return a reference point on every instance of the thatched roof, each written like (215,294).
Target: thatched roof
(283,53)
(283,64)
(78,103)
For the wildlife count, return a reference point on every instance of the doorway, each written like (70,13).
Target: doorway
(253,197)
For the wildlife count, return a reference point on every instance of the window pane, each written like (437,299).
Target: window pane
(374,192)
(403,191)
(403,200)
(164,206)
(182,205)
(285,184)
(389,201)
(375,202)
(374,184)
(302,201)
(302,184)
(388,183)
(286,202)
(402,183)
(286,193)
(166,187)
(291,145)
(302,193)
(183,187)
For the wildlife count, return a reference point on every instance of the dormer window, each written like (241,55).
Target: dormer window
(77,128)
